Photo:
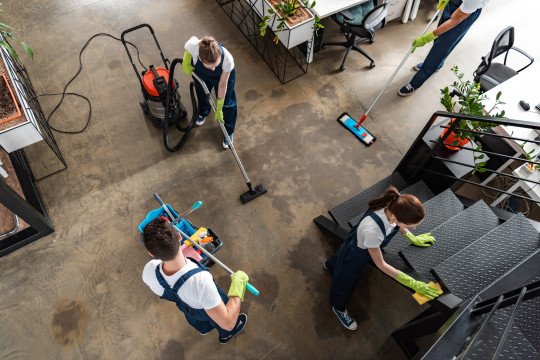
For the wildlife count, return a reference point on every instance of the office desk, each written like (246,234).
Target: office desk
(325,8)
(524,86)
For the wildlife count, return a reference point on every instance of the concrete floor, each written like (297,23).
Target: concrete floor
(78,294)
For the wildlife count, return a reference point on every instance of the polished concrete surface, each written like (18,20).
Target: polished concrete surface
(78,294)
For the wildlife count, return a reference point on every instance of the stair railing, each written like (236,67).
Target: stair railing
(418,162)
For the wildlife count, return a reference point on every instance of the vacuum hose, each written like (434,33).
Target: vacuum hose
(186,130)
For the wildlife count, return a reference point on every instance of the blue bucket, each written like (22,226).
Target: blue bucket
(183,224)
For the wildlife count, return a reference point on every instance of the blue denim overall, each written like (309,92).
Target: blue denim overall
(211,79)
(347,263)
(198,318)
(444,44)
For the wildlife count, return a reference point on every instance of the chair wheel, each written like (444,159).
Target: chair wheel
(323,48)
(342,68)
(371,41)
(372,65)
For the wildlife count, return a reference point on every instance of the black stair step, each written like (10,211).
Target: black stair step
(438,210)
(451,237)
(358,204)
(528,318)
(418,189)
(487,259)
(516,346)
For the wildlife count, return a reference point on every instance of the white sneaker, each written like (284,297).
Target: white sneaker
(225,144)
(200,120)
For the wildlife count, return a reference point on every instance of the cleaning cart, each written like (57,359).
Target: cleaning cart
(204,236)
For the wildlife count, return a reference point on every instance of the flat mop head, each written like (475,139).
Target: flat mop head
(361,133)
(252,193)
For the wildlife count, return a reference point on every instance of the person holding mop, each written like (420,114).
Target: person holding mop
(185,282)
(456,19)
(388,214)
(215,66)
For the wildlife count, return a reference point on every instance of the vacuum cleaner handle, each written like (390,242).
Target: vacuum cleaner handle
(140,26)
(249,287)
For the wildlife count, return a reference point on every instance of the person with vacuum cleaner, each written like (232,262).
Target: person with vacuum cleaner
(185,282)
(388,214)
(215,66)
(456,19)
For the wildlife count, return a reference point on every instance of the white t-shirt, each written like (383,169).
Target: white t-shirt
(470,6)
(192,45)
(369,233)
(199,291)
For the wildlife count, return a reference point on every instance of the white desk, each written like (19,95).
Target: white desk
(524,86)
(325,8)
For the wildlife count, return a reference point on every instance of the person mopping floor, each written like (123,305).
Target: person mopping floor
(456,19)
(215,66)
(185,282)
(388,214)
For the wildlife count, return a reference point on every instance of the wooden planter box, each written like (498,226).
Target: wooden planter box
(290,36)
(19,132)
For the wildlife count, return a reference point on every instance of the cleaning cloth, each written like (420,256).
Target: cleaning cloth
(421,299)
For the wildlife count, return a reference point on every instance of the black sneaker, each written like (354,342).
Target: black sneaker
(406,90)
(240,325)
(345,319)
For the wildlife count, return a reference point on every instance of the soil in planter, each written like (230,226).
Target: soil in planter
(300,15)
(7,106)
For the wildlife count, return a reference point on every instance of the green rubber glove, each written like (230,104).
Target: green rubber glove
(423,240)
(219,110)
(239,281)
(423,40)
(419,286)
(442,4)
(186,63)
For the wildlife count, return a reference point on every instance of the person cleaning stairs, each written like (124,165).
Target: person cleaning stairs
(388,214)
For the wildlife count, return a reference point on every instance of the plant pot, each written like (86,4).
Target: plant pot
(452,141)
(9,107)
(292,35)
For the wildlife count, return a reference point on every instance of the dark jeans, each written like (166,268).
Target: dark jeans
(229,107)
(444,44)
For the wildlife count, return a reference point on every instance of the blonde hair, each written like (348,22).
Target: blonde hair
(209,50)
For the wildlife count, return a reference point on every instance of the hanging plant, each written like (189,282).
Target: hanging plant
(291,12)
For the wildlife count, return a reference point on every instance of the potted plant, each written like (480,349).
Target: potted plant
(292,21)
(9,107)
(470,101)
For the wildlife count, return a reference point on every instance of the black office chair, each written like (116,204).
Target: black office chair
(374,20)
(490,74)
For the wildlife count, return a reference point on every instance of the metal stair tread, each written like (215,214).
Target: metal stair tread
(451,236)
(516,346)
(357,204)
(418,189)
(439,209)
(486,259)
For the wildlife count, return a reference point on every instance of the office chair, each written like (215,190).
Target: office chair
(374,20)
(490,74)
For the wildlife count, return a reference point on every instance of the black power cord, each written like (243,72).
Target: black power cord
(64,92)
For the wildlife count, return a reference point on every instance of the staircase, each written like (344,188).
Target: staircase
(486,259)
(475,250)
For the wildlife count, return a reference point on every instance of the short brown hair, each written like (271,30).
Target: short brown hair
(406,208)
(209,50)
(161,240)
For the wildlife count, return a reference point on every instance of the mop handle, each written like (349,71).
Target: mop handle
(396,71)
(250,287)
(193,207)
(229,141)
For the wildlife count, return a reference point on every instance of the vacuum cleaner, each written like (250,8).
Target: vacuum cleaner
(253,191)
(153,83)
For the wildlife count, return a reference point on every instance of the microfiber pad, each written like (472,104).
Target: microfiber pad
(421,299)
